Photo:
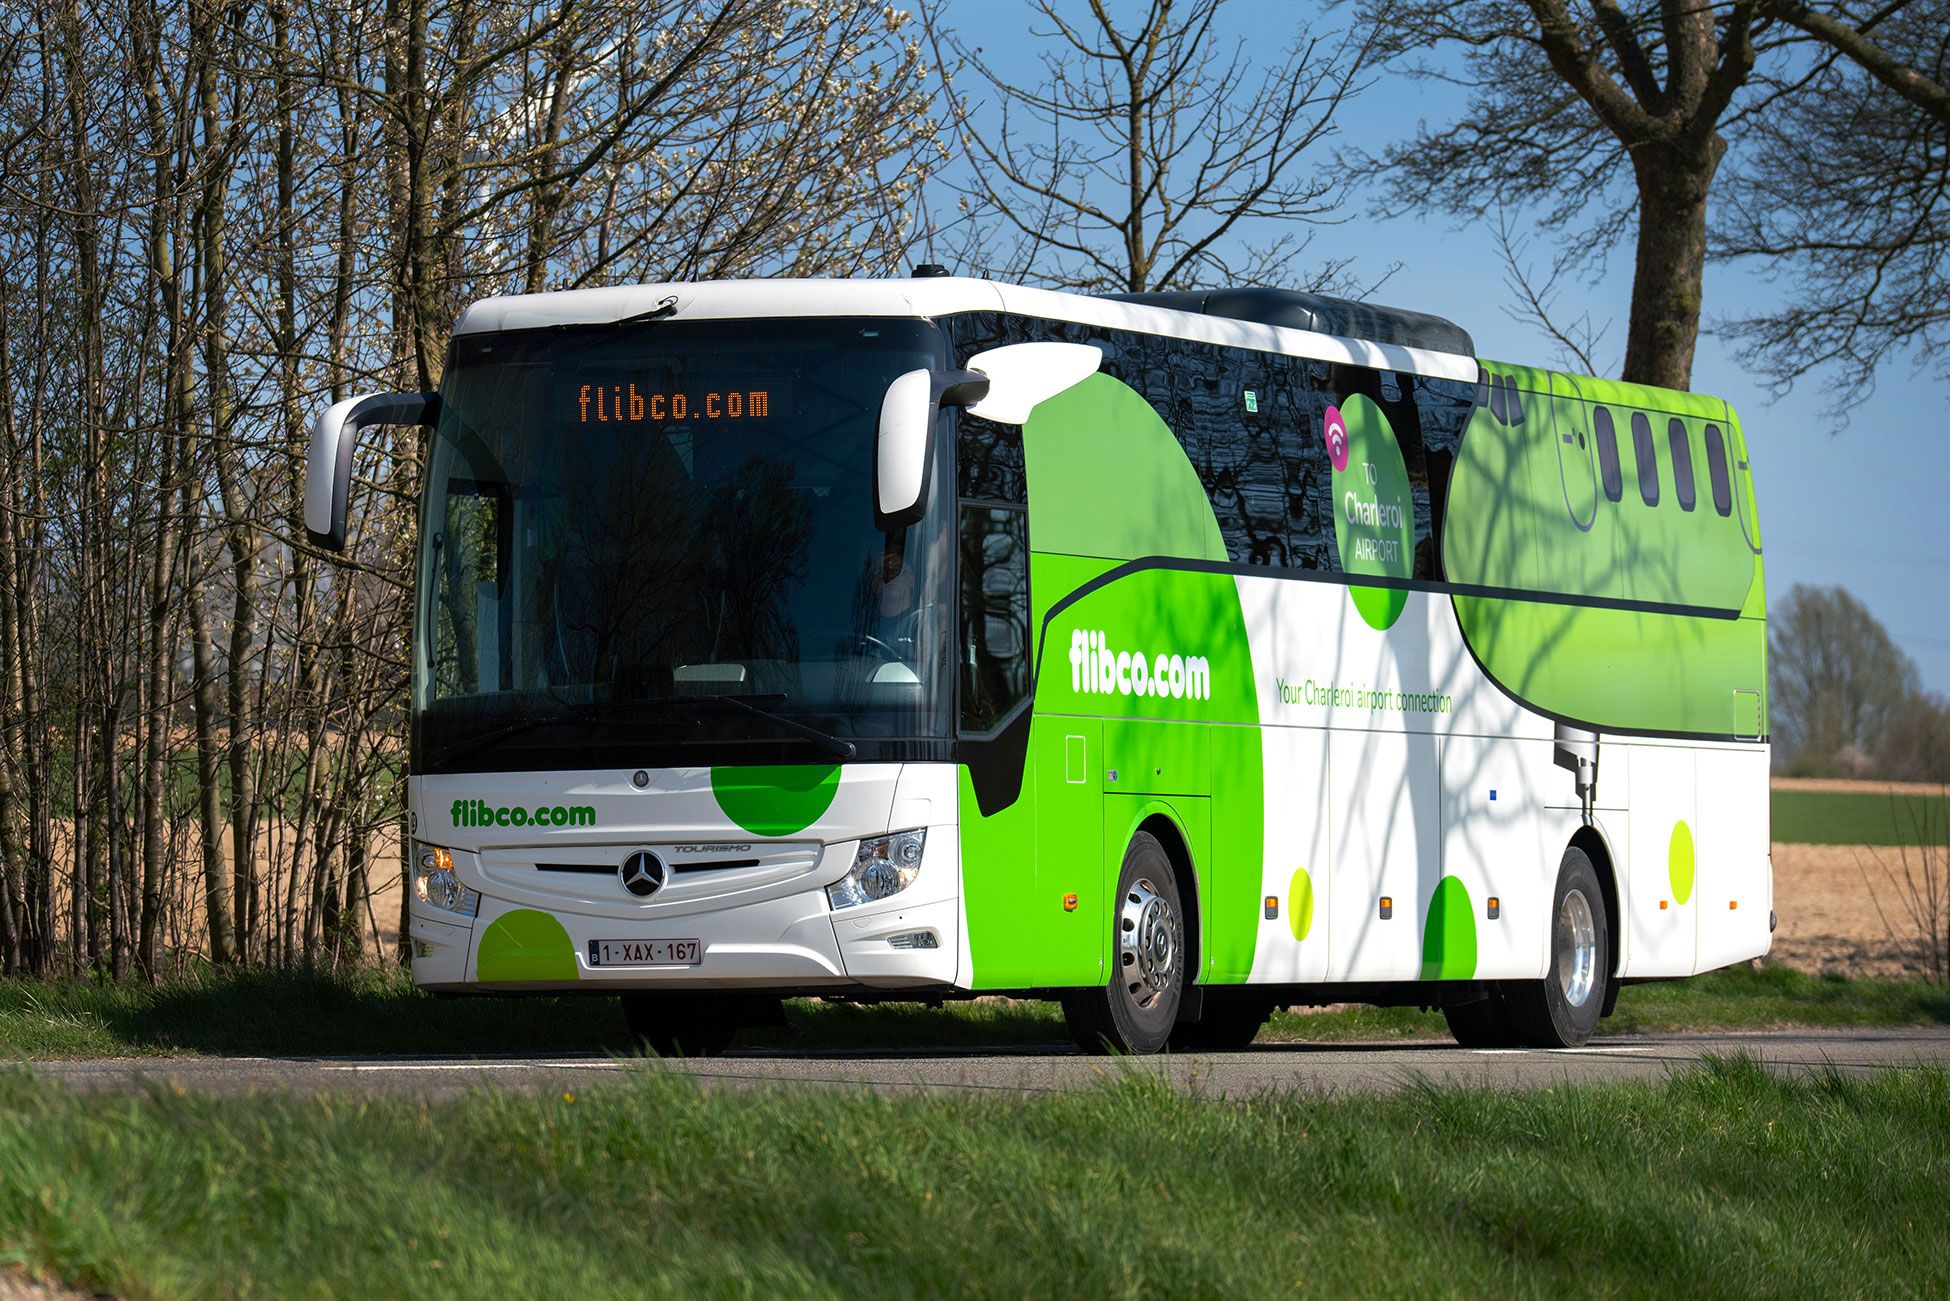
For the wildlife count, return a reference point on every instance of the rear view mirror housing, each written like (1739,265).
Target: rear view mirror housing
(904,441)
(334,438)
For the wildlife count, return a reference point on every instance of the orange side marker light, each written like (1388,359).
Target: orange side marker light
(1069,903)
(1662,905)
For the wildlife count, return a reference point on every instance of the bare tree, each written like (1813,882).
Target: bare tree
(1836,680)
(1150,153)
(214,219)
(1597,116)
(1846,200)
(1601,117)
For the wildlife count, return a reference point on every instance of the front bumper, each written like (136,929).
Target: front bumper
(762,920)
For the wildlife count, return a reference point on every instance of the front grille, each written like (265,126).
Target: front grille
(689,865)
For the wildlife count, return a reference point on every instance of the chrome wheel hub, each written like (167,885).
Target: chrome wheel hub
(1577,948)
(1147,943)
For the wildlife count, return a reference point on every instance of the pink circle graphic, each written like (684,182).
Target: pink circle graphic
(1336,434)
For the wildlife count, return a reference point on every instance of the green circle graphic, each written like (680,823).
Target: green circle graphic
(1300,903)
(776,801)
(1679,862)
(1374,511)
(525,944)
(1449,934)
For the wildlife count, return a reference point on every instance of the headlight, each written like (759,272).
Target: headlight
(883,866)
(437,886)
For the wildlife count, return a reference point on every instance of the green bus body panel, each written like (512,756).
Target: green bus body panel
(1109,482)
(1107,477)
(1527,516)
(1527,524)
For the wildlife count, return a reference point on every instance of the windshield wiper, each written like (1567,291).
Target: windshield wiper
(833,745)
(593,716)
(446,754)
(665,307)
(579,715)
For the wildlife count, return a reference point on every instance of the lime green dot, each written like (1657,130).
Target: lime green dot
(1300,903)
(1449,935)
(776,801)
(1679,862)
(525,945)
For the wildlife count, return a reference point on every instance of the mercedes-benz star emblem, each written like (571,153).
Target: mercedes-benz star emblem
(643,874)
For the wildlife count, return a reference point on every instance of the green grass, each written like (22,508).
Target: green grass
(265,1013)
(1721,1180)
(1858,818)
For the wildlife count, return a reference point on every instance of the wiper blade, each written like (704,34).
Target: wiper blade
(446,754)
(665,307)
(837,746)
(579,715)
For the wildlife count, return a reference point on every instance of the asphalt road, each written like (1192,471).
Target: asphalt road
(1363,1067)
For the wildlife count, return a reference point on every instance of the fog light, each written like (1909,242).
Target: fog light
(913,940)
(882,866)
(437,885)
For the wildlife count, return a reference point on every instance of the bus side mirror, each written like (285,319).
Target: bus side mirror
(328,468)
(904,442)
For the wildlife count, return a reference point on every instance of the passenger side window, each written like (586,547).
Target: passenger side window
(994,614)
(1682,463)
(1608,469)
(1647,456)
(1716,470)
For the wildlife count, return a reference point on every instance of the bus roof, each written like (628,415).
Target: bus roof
(931,296)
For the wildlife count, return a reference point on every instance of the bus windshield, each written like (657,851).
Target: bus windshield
(654,544)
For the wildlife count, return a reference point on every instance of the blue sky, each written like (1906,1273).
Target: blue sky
(1860,506)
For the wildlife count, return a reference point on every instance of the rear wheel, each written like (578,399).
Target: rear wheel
(1136,1010)
(1485,1023)
(1562,1009)
(691,1025)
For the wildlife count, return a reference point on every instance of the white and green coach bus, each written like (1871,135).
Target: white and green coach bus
(1179,656)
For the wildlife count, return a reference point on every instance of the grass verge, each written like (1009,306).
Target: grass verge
(1722,1180)
(268,1013)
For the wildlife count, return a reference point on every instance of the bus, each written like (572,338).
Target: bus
(1176,656)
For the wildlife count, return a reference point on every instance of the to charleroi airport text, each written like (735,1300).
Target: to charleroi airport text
(1380,700)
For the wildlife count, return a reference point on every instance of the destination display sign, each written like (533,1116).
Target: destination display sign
(638,400)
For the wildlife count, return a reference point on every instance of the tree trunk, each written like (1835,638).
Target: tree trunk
(1673,182)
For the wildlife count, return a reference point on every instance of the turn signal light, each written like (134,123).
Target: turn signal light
(1069,903)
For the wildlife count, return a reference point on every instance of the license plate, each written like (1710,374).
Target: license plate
(645,953)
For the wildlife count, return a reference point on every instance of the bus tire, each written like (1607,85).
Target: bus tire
(1485,1023)
(1562,1009)
(681,1025)
(1230,1024)
(1135,1010)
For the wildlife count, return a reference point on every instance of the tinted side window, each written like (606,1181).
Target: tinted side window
(1250,426)
(994,615)
(989,460)
(1608,469)
(1716,470)
(1647,456)
(1682,463)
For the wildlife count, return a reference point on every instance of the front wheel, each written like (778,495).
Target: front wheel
(689,1025)
(1136,1010)
(1562,1009)
(1230,1024)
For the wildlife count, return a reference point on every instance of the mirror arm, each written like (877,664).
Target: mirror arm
(336,437)
(958,388)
